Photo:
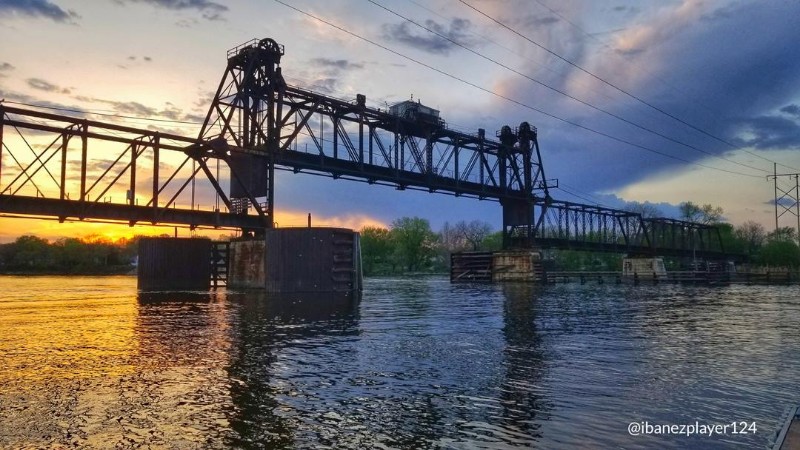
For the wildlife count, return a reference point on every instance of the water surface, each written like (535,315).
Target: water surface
(89,362)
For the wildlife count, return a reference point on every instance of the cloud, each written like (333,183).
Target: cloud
(42,85)
(742,94)
(209,10)
(783,201)
(771,132)
(26,99)
(534,21)
(409,34)
(340,64)
(132,108)
(791,109)
(5,67)
(37,9)
(133,60)
(625,9)
(325,85)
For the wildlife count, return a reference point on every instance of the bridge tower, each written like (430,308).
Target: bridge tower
(521,167)
(245,115)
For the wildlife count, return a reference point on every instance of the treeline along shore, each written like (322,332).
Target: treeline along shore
(90,255)
(407,246)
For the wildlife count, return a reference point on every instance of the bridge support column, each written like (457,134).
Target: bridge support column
(517,224)
(313,260)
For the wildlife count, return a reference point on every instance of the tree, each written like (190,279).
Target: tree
(731,243)
(752,235)
(780,252)
(493,241)
(451,240)
(646,209)
(414,242)
(376,250)
(706,214)
(31,252)
(783,234)
(781,249)
(474,232)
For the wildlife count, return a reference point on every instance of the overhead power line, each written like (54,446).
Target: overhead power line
(617,88)
(511,100)
(564,93)
(97,113)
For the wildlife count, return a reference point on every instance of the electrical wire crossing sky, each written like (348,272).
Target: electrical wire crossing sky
(660,102)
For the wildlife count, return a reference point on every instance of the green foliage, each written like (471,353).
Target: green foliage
(783,253)
(730,241)
(492,242)
(410,245)
(31,254)
(706,214)
(413,243)
(751,236)
(781,249)
(376,251)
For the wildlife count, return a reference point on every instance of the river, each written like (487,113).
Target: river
(88,362)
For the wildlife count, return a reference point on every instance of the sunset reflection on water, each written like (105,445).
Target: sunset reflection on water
(89,362)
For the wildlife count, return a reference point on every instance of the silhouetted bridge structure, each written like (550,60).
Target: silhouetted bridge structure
(67,167)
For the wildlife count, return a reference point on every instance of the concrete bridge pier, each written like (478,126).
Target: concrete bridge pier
(286,260)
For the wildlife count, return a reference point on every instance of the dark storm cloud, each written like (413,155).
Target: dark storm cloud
(37,8)
(718,76)
(771,133)
(42,85)
(209,10)
(791,109)
(413,36)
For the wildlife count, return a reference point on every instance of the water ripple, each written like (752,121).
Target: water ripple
(416,363)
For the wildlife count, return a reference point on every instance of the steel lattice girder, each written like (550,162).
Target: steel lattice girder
(587,227)
(78,152)
(257,113)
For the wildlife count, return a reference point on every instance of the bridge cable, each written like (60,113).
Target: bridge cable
(608,83)
(516,102)
(564,93)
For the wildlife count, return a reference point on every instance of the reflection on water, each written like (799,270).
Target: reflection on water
(415,363)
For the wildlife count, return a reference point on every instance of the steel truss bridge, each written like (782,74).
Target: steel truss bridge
(65,167)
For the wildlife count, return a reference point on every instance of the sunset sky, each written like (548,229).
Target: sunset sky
(715,82)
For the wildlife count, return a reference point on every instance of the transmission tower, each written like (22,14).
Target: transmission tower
(786,200)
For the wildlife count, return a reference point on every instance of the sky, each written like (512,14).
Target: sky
(634,101)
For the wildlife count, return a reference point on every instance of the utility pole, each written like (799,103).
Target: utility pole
(792,194)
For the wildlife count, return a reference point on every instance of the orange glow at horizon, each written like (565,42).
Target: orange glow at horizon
(14,227)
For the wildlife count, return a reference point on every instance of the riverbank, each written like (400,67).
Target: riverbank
(114,270)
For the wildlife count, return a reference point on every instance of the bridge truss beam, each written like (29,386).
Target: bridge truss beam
(257,123)
(272,125)
(593,228)
(72,168)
